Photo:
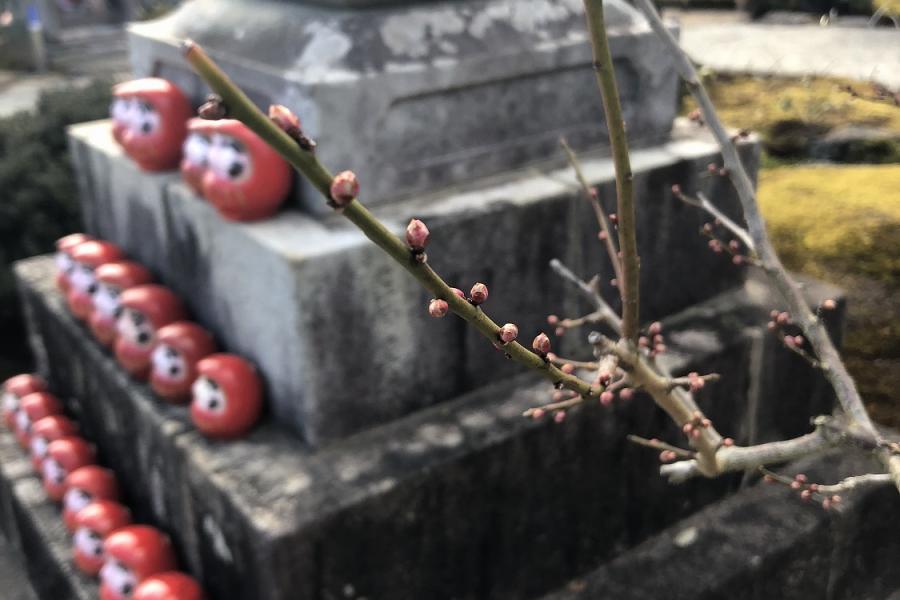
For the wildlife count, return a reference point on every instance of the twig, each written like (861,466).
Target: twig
(857,481)
(590,292)
(701,201)
(591,195)
(242,108)
(606,81)
(660,445)
(832,366)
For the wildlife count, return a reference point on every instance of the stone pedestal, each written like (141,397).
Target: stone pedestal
(422,95)
(463,500)
(312,301)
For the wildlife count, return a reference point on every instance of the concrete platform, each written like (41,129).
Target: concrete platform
(303,297)
(462,500)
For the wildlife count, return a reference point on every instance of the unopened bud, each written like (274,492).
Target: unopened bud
(643,341)
(626,394)
(829,304)
(826,503)
(707,228)
(728,442)
(438,308)
(789,341)
(286,120)
(660,348)
(614,218)
(560,416)
(567,368)
(606,398)
(601,235)
(734,245)
(478,294)
(508,333)
(537,414)
(805,495)
(560,331)
(687,427)
(655,328)
(417,235)
(667,456)
(737,260)
(344,188)
(213,109)
(783,318)
(552,319)
(798,340)
(676,189)
(459,292)
(541,344)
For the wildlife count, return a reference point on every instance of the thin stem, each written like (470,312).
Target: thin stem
(606,81)
(591,293)
(591,195)
(240,107)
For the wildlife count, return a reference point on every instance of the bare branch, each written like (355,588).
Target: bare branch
(590,292)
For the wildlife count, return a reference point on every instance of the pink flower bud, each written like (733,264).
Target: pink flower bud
(695,433)
(560,331)
(459,292)
(829,304)
(601,235)
(643,341)
(626,394)
(737,260)
(800,477)
(286,120)
(707,228)
(798,340)
(416,235)
(537,414)
(715,246)
(836,499)
(773,314)
(655,328)
(567,368)
(614,282)
(559,417)
(706,423)
(826,503)
(783,318)
(614,218)
(660,348)
(478,294)
(728,442)
(789,341)
(438,308)
(796,485)
(541,344)
(771,325)
(676,189)
(557,396)
(606,398)
(805,495)
(734,245)
(344,188)
(687,427)
(712,168)
(552,319)
(667,456)
(508,333)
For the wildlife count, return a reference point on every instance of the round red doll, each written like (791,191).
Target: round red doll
(145,309)
(86,257)
(179,346)
(169,586)
(85,485)
(14,389)
(112,279)
(227,396)
(63,457)
(195,159)
(131,555)
(46,430)
(152,122)
(63,258)
(246,180)
(33,408)
(93,524)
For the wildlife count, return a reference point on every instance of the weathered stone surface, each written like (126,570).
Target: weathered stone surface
(13,584)
(463,500)
(33,526)
(303,298)
(416,97)
(765,543)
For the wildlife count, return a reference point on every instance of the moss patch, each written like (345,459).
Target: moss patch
(842,224)
(791,113)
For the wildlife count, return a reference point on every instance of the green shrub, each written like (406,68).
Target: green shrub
(38,195)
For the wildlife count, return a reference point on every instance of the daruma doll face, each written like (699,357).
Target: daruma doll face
(150,122)
(246,179)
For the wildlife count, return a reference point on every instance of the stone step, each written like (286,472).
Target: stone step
(13,584)
(764,542)
(462,500)
(303,296)
(32,526)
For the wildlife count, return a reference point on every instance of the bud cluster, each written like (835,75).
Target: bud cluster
(289,123)
(808,491)
(652,339)
(696,425)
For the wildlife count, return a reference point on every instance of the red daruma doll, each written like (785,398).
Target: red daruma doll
(46,430)
(32,409)
(150,122)
(179,346)
(86,257)
(14,389)
(92,525)
(195,152)
(169,586)
(63,457)
(63,258)
(246,179)
(131,555)
(227,396)
(112,279)
(85,485)
(145,310)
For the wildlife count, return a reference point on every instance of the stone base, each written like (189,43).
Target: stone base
(765,543)
(421,95)
(305,298)
(462,500)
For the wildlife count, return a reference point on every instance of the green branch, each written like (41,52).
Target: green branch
(606,80)
(240,107)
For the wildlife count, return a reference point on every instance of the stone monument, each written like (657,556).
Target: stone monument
(394,461)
